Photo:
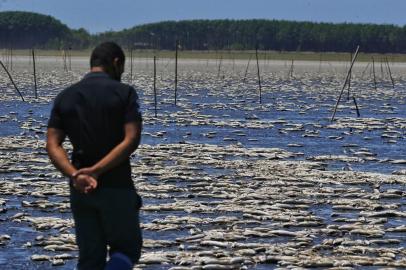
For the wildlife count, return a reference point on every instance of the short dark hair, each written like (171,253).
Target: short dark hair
(105,53)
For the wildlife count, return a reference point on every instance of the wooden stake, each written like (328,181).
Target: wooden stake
(219,69)
(246,69)
(11,59)
(390,73)
(35,74)
(345,83)
(291,69)
(259,77)
(70,58)
(356,106)
(29,57)
(65,67)
(155,98)
(176,70)
(349,80)
(131,65)
(7,57)
(320,63)
(363,72)
(233,57)
(373,71)
(4,55)
(12,81)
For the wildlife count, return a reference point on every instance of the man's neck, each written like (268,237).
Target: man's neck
(97,69)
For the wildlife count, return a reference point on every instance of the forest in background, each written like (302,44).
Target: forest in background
(26,30)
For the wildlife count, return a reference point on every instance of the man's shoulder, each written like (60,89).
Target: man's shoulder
(125,88)
(106,81)
(67,90)
(123,85)
(63,92)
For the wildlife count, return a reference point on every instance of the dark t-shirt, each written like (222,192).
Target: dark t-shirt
(92,113)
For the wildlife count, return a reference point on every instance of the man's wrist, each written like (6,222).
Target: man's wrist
(72,175)
(96,171)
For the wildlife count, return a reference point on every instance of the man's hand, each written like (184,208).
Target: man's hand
(84,183)
(132,136)
(88,171)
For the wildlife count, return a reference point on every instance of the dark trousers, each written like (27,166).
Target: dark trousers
(106,217)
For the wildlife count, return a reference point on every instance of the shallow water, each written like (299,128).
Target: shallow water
(222,111)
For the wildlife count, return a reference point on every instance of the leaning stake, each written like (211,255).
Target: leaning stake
(259,76)
(356,106)
(246,69)
(35,74)
(390,73)
(11,79)
(349,81)
(345,83)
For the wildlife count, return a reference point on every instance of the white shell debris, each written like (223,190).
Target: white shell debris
(219,191)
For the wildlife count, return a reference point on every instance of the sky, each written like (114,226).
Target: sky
(103,15)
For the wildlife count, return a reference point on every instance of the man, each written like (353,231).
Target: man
(101,118)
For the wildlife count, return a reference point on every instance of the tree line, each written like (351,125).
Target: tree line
(27,30)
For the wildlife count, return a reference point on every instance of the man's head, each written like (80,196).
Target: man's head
(110,58)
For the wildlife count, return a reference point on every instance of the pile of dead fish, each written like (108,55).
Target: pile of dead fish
(223,207)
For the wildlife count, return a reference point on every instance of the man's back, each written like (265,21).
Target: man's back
(101,117)
(92,113)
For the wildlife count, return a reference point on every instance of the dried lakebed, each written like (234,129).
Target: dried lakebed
(227,183)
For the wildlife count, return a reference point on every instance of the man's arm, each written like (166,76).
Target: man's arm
(57,153)
(59,158)
(132,137)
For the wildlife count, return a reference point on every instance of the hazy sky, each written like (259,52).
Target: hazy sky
(102,15)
